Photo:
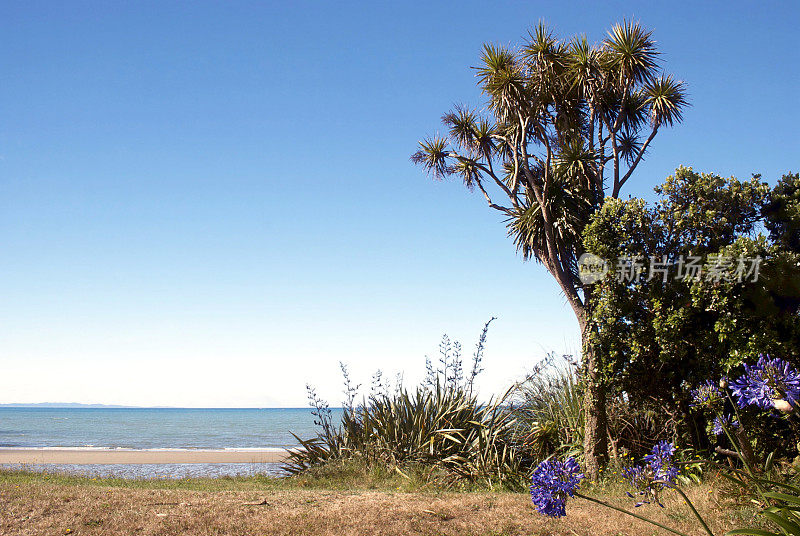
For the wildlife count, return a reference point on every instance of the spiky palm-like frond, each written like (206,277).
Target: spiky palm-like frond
(545,60)
(502,80)
(494,59)
(432,155)
(632,56)
(575,164)
(607,102)
(574,160)
(542,48)
(666,99)
(485,144)
(468,171)
(571,119)
(583,64)
(473,134)
(634,111)
(462,124)
(628,145)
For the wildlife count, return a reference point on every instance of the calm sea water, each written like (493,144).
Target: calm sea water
(146,428)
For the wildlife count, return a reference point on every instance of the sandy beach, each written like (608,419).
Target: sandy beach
(122,456)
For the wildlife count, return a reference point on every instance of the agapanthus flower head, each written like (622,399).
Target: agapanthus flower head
(708,395)
(767,381)
(724,421)
(552,483)
(661,455)
(657,473)
(661,461)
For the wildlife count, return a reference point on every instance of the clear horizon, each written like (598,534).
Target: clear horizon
(80,405)
(211,205)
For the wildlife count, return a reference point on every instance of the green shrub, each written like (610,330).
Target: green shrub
(439,426)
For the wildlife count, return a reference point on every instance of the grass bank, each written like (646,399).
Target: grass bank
(340,504)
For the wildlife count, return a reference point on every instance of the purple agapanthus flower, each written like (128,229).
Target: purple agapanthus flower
(552,483)
(641,479)
(767,381)
(658,472)
(725,420)
(662,453)
(708,395)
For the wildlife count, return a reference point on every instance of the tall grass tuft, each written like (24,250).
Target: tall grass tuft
(549,410)
(548,405)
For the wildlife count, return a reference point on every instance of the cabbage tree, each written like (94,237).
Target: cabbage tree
(565,126)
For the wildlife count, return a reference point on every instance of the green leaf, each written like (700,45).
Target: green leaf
(753,532)
(783,497)
(787,525)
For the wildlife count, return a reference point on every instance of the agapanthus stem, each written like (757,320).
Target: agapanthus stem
(737,444)
(637,516)
(742,440)
(694,510)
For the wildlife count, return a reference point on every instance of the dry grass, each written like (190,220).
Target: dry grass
(33,505)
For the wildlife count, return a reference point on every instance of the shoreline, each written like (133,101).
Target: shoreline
(98,456)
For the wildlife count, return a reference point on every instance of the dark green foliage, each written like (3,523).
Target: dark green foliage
(661,336)
(784,513)
(782,213)
(777,494)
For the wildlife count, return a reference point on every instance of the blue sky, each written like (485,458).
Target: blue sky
(211,204)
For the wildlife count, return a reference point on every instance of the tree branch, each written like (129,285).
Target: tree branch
(503,209)
(622,181)
(615,153)
(489,172)
(727,452)
(552,260)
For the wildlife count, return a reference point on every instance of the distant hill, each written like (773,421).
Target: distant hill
(63,405)
(75,405)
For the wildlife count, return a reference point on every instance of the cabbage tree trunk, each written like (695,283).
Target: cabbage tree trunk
(595,442)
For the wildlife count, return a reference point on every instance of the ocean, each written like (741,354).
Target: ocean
(156,428)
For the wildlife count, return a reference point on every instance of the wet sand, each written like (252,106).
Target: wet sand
(122,456)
